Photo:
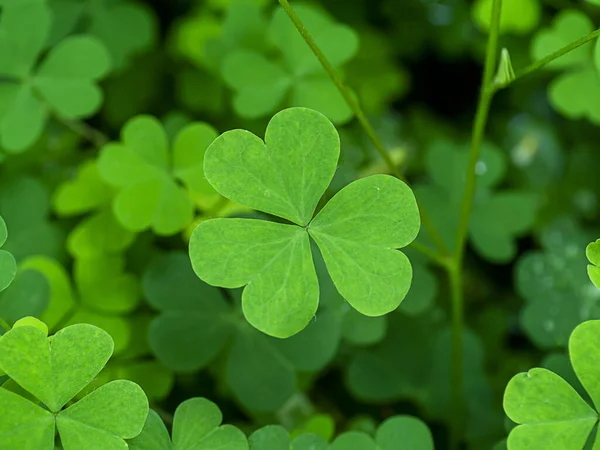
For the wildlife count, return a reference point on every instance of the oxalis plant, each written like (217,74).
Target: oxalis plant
(167,285)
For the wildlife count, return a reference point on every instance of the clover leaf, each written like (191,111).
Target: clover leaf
(576,92)
(518,16)
(413,363)
(8,265)
(146,174)
(196,426)
(125,28)
(54,370)
(260,371)
(554,284)
(396,433)
(593,255)
(28,295)
(25,206)
(357,232)
(63,83)
(103,295)
(262,85)
(498,218)
(548,411)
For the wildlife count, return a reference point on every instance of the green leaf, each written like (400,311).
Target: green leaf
(85,192)
(99,235)
(584,351)
(196,426)
(8,265)
(191,312)
(287,174)
(297,78)
(25,206)
(126,29)
(24,425)
(154,435)
(358,232)
(568,25)
(551,412)
(593,255)
(273,260)
(54,371)
(145,172)
(411,432)
(188,156)
(67,77)
(28,295)
(548,410)
(518,16)
(271,437)
(354,440)
(505,73)
(102,419)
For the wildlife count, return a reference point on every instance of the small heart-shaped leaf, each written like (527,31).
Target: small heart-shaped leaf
(54,370)
(285,175)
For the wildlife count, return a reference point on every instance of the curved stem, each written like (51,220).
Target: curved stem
(348,97)
(455,271)
(533,67)
(360,115)
(89,133)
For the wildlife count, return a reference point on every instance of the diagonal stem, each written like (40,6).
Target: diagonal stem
(360,115)
(535,66)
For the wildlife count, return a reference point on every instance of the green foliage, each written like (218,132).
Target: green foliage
(8,265)
(265,274)
(54,370)
(574,92)
(144,171)
(498,218)
(196,426)
(593,255)
(262,86)
(352,231)
(64,83)
(554,284)
(518,16)
(548,410)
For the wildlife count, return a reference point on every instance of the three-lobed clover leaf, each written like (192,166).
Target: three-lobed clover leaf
(8,265)
(196,426)
(576,92)
(196,325)
(498,218)
(147,174)
(592,252)
(395,433)
(125,28)
(25,206)
(262,85)
(103,295)
(63,83)
(357,231)
(554,284)
(54,370)
(548,410)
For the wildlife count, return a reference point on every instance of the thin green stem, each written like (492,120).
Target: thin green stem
(89,133)
(4,324)
(348,97)
(360,115)
(435,257)
(455,270)
(456,369)
(535,66)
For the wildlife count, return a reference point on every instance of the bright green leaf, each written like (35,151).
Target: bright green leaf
(358,233)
